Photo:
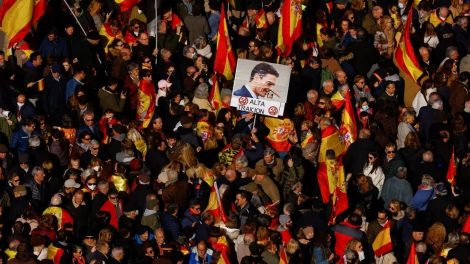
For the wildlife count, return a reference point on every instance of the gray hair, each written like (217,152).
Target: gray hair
(200,42)
(242,160)
(34,141)
(451,49)
(202,91)
(132,66)
(461,20)
(94,142)
(87,173)
(327,82)
(312,93)
(36,170)
(427,180)
(402,172)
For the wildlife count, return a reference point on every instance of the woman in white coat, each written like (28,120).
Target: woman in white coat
(373,169)
(422,97)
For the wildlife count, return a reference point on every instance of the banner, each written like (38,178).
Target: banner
(260,87)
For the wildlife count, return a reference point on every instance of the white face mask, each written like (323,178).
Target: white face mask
(97,168)
(91,187)
(20,104)
(401,5)
(362,255)
(437,105)
(365,107)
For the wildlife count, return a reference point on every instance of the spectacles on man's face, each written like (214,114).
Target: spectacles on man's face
(321,103)
(113,197)
(391,151)
(89,120)
(87,139)
(95,148)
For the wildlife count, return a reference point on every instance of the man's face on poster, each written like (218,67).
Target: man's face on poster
(262,84)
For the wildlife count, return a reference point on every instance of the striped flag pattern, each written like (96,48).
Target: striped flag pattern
(290,26)
(407,63)
(224,62)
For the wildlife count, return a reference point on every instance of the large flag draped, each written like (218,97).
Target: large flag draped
(214,96)
(290,26)
(339,201)
(330,172)
(16,18)
(383,241)
(452,170)
(224,62)
(348,128)
(279,130)
(407,63)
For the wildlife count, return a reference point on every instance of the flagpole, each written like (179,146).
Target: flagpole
(156,26)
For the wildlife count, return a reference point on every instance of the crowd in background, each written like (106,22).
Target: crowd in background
(111,150)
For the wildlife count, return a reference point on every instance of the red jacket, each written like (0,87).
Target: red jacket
(111,209)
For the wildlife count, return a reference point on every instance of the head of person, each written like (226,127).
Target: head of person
(242,198)
(390,151)
(36,59)
(312,96)
(263,79)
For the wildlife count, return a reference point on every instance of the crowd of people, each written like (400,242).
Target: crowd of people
(113,151)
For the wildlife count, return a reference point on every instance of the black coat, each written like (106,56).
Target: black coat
(357,155)
(365,55)
(52,99)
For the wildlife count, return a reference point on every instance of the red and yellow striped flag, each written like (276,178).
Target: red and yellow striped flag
(214,205)
(383,241)
(125,5)
(224,62)
(337,100)
(407,63)
(16,19)
(452,170)
(214,96)
(222,246)
(260,19)
(348,128)
(290,26)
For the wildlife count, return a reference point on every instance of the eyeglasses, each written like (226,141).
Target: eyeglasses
(113,197)
(79,252)
(144,39)
(92,183)
(381,218)
(95,148)
(136,27)
(391,151)
(88,120)
(89,237)
(321,103)
(86,138)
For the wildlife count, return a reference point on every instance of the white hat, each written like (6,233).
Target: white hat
(70,183)
(164,84)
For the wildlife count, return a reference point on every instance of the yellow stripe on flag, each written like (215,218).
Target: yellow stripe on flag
(16,18)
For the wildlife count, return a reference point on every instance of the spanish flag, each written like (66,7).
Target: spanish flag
(41,85)
(348,128)
(224,62)
(63,217)
(214,96)
(337,100)
(279,130)
(214,205)
(412,257)
(260,19)
(452,169)
(407,63)
(309,138)
(39,10)
(108,33)
(340,197)
(126,5)
(146,105)
(383,241)
(221,245)
(15,19)
(330,172)
(290,26)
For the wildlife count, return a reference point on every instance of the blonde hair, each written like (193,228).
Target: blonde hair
(188,156)
(292,246)
(94,7)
